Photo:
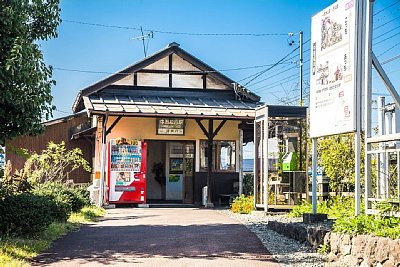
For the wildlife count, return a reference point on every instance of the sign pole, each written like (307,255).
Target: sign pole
(301,69)
(358,109)
(367,100)
(314,176)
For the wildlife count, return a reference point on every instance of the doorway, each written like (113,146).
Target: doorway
(170,171)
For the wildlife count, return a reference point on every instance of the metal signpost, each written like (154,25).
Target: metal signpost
(335,80)
(341,66)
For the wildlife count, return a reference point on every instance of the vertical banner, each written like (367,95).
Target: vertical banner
(333,70)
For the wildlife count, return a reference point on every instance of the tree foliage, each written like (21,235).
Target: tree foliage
(25,80)
(55,163)
(336,155)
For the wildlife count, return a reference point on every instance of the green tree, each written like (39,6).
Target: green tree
(25,80)
(336,154)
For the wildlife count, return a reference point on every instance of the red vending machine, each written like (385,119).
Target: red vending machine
(127,171)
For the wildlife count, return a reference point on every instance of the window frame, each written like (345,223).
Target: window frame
(216,161)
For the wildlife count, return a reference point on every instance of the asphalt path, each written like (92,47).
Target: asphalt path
(159,237)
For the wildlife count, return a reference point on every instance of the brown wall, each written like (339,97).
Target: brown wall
(57,133)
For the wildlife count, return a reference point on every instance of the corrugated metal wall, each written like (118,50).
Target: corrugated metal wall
(57,133)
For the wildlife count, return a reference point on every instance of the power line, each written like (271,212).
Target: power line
(393,4)
(172,32)
(279,82)
(62,111)
(186,72)
(380,26)
(269,77)
(387,50)
(390,59)
(387,38)
(385,33)
(288,60)
(274,65)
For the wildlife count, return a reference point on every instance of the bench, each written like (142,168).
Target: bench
(230,198)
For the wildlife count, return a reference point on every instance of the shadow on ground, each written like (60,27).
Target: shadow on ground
(131,243)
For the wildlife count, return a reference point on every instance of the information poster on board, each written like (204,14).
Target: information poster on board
(333,68)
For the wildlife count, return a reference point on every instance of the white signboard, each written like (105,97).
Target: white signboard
(333,69)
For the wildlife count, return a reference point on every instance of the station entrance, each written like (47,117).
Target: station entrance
(170,172)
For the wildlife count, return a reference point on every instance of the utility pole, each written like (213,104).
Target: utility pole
(301,69)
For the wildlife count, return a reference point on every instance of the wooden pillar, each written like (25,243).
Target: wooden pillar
(210,161)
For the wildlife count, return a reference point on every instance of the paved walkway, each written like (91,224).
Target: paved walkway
(159,237)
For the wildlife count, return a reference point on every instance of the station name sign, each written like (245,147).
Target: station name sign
(171,126)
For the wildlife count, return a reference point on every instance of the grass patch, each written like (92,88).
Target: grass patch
(87,214)
(342,209)
(336,207)
(15,251)
(369,224)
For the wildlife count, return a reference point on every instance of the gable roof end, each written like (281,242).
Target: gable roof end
(170,49)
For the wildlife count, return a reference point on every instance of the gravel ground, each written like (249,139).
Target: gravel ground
(287,251)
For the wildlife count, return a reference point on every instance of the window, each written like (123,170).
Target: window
(224,156)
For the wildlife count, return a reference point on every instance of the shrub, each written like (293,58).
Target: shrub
(55,163)
(335,207)
(82,193)
(248,180)
(369,224)
(72,198)
(25,214)
(243,204)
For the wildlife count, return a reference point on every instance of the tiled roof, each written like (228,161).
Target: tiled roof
(194,107)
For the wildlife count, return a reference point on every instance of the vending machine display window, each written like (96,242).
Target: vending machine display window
(127,171)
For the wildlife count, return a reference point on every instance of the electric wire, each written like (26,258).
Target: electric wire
(387,38)
(258,74)
(380,26)
(279,82)
(383,9)
(269,77)
(390,59)
(62,111)
(173,32)
(387,50)
(186,72)
(377,37)
(274,65)
(288,60)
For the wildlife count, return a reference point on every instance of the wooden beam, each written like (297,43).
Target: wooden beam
(209,162)
(113,125)
(204,77)
(206,133)
(170,69)
(135,79)
(183,72)
(221,124)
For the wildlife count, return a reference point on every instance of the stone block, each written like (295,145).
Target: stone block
(335,242)
(332,257)
(370,248)
(314,218)
(358,246)
(389,263)
(382,249)
(345,250)
(394,251)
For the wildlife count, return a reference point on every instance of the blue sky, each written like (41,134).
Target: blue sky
(85,47)
(107,49)
(104,49)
